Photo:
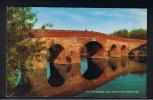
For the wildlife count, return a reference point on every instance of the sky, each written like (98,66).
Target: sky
(104,20)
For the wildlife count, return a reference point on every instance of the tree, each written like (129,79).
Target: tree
(20,48)
(138,34)
(43,27)
(121,33)
(20,21)
(133,34)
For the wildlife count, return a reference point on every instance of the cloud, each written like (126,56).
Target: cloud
(104,20)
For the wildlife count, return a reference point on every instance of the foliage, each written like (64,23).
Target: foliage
(20,47)
(10,84)
(43,27)
(134,34)
(19,23)
(122,33)
(138,34)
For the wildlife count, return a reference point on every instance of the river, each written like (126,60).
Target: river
(92,78)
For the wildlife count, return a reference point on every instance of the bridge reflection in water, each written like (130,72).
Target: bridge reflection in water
(89,74)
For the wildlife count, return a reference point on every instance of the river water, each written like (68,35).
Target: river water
(126,86)
(92,78)
(129,85)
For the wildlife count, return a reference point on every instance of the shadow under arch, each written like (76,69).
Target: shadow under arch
(131,55)
(138,58)
(54,51)
(55,79)
(90,48)
(124,50)
(112,50)
(123,47)
(90,70)
(141,54)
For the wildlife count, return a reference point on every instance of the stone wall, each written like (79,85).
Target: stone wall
(73,45)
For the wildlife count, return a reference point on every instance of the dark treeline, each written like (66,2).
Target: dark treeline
(133,34)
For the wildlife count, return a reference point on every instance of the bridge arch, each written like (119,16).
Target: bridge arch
(92,48)
(138,53)
(55,52)
(124,50)
(123,47)
(88,50)
(113,50)
(55,79)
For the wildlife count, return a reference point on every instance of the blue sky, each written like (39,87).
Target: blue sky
(105,20)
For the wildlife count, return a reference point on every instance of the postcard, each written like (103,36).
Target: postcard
(76,52)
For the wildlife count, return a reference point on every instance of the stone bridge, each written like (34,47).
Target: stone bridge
(76,44)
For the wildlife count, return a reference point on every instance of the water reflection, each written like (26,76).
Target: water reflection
(55,78)
(84,65)
(124,74)
(112,64)
(97,71)
(53,75)
(113,67)
(48,70)
(93,71)
(124,61)
(22,83)
(141,59)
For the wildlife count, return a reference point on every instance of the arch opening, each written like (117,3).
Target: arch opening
(123,48)
(54,51)
(113,51)
(124,51)
(131,55)
(89,69)
(54,78)
(139,53)
(113,47)
(91,48)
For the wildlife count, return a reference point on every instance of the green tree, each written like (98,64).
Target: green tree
(47,25)
(20,21)
(121,33)
(138,34)
(20,48)
(133,34)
